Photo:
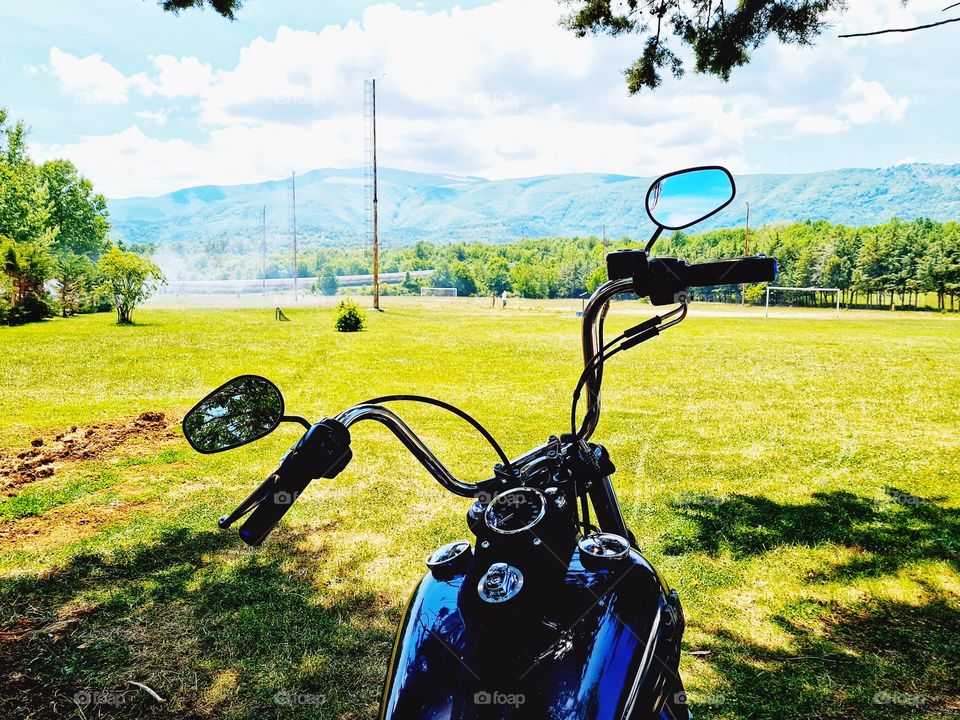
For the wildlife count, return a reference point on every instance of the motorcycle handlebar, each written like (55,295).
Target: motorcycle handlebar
(323,451)
(735,271)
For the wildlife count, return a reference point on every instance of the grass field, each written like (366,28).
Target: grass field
(796,479)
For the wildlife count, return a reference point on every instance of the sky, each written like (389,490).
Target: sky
(145,102)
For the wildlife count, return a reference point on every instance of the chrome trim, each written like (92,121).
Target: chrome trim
(412,442)
(603,541)
(593,313)
(448,555)
(538,518)
(509,583)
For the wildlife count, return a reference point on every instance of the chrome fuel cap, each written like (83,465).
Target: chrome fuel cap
(602,549)
(450,558)
(500,583)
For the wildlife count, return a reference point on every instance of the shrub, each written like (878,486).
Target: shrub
(350,317)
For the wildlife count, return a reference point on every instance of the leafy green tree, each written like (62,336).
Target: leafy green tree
(496,275)
(24,203)
(129,279)
(327,281)
(463,279)
(73,274)
(27,266)
(76,211)
(572,276)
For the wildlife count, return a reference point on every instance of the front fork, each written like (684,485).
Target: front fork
(610,519)
(607,509)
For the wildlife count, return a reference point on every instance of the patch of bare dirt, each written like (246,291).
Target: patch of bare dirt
(64,525)
(75,444)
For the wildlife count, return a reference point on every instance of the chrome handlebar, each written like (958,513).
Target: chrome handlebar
(412,442)
(593,314)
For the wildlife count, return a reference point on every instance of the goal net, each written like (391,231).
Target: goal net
(438,292)
(835,291)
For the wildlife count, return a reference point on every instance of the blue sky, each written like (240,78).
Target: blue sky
(145,102)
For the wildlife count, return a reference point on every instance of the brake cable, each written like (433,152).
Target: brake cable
(631,337)
(463,415)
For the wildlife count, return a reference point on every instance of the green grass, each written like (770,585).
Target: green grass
(795,479)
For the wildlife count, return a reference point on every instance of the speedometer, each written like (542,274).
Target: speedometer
(515,510)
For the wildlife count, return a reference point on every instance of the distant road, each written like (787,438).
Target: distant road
(275,285)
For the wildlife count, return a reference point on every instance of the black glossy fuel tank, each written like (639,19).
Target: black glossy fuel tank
(590,645)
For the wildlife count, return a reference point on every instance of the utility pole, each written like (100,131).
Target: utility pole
(746,237)
(376,239)
(603,241)
(746,251)
(263,249)
(293,188)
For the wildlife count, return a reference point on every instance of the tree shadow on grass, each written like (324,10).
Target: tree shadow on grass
(895,530)
(215,629)
(873,661)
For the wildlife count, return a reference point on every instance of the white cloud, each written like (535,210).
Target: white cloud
(159,116)
(92,80)
(181,77)
(870,102)
(820,125)
(499,90)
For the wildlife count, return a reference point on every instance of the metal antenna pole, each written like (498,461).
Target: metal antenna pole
(263,249)
(293,186)
(376,243)
(746,251)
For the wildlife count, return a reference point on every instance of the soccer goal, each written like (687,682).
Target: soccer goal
(835,291)
(438,292)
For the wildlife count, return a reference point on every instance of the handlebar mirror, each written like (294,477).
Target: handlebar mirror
(680,199)
(238,412)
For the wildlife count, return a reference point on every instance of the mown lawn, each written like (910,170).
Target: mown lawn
(798,480)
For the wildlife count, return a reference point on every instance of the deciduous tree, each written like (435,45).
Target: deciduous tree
(129,279)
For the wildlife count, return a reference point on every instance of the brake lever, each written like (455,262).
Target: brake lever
(251,502)
(323,451)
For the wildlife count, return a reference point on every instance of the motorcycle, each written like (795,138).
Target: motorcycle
(552,611)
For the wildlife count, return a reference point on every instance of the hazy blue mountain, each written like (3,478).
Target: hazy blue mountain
(443,208)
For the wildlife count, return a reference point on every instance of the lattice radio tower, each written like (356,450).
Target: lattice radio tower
(370,181)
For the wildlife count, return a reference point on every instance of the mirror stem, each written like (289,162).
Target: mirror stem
(296,419)
(653,238)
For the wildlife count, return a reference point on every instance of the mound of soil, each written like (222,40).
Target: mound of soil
(75,444)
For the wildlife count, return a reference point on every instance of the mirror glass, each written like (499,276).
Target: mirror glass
(243,410)
(682,199)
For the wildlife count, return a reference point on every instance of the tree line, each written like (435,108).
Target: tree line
(896,264)
(55,253)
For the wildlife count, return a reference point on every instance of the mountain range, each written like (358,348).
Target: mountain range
(441,208)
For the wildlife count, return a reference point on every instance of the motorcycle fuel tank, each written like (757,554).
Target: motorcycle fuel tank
(598,643)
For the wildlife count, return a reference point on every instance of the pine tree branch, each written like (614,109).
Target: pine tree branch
(901,30)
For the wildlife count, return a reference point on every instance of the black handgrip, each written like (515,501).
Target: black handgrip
(278,499)
(323,451)
(735,271)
